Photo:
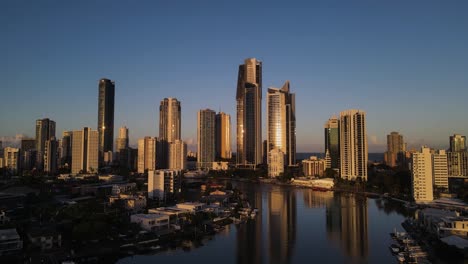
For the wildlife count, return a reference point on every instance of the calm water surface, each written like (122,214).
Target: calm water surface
(298,226)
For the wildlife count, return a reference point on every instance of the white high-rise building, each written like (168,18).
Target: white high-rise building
(11,159)
(421,180)
(275,162)
(281,122)
(177,155)
(353,145)
(147,154)
(163,182)
(85,151)
(440,169)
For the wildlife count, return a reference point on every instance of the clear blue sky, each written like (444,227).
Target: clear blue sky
(404,62)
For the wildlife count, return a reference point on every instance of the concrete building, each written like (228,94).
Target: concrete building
(105,124)
(457,143)
(45,130)
(28,154)
(51,156)
(147,150)
(191,207)
(169,127)
(122,140)
(223,136)
(281,122)
(151,222)
(332,141)
(421,180)
(134,203)
(11,159)
(206,138)
(67,148)
(85,156)
(313,167)
(163,182)
(457,163)
(249,113)
(177,155)
(276,163)
(395,150)
(440,169)
(353,145)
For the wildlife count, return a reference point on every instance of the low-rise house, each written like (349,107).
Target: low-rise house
(453,226)
(174,213)
(10,242)
(151,222)
(45,238)
(191,206)
(135,203)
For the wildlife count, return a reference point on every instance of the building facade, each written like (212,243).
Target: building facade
(169,127)
(45,130)
(457,143)
(147,151)
(421,179)
(163,182)
(206,138)
(457,163)
(276,162)
(440,169)
(249,113)
(106,100)
(313,167)
(353,145)
(51,156)
(223,136)
(11,159)
(177,155)
(281,122)
(66,146)
(85,147)
(396,148)
(332,141)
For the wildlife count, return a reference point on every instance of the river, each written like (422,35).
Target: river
(298,226)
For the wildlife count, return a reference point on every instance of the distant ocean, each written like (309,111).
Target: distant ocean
(376,157)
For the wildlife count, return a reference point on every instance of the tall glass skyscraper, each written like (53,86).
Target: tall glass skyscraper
(206,138)
(249,113)
(106,117)
(457,143)
(169,128)
(332,141)
(281,122)
(45,130)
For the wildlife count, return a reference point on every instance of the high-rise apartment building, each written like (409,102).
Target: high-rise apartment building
(395,150)
(28,154)
(163,182)
(11,159)
(275,162)
(422,180)
(45,130)
(67,148)
(249,113)
(206,138)
(51,156)
(85,147)
(223,136)
(281,122)
(313,167)
(440,169)
(106,117)
(177,155)
(353,145)
(122,140)
(147,148)
(457,143)
(457,163)
(332,141)
(169,127)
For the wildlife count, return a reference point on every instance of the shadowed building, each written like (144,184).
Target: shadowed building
(332,141)
(223,136)
(85,157)
(147,149)
(45,130)
(395,150)
(457,143)
(206,138)
(249,113)
(106,117)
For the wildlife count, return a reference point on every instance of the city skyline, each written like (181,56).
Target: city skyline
(326,74)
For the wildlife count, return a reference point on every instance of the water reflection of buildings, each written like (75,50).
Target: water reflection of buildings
(313,199)
(273,230)
(347,225)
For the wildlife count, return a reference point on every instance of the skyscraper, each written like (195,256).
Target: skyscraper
(85,147)
(332,141)
(223,136)
(206,138)
(67,148)
(395,149)
(122,140)
(177,155)
(147,154)
(28,154)
(163,182)
(457,163)
(106,117)
(169,127)
(353,145)
(281,122)
(45,130)
(51,156)
(249,113)
(457,143)
(11,159)
(421,180)
(440,169)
